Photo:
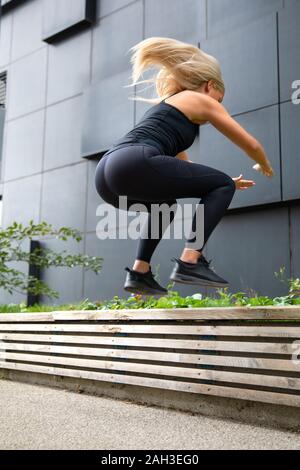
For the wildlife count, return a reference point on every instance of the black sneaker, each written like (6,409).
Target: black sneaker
(142,283)
(199,273)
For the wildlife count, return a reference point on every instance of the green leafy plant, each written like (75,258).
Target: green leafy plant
(12,240)
(173,300)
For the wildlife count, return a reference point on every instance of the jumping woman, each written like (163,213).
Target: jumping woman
(150,164)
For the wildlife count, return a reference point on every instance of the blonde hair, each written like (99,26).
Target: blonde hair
(182,66)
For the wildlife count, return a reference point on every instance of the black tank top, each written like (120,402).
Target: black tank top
(164,127)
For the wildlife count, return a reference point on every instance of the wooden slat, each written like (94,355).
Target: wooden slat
(26,317)
(118,341)
(215,390)
(204,359)
(205,313)
(226,346)
(268,312)
(225,376)
(204,330)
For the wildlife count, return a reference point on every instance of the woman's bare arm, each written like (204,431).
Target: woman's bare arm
(209,109)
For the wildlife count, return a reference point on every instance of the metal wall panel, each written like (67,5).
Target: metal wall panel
(108,114)
(228,15)
(111,41)
(247,248)
(176,19)
(63,133)
(24,146)
(26,40)
(21,199)
(67,16)
(106,7)
(68,282)
(218,151)
(290,142)
(5,39)
(289,50)
(295,237)
(246,65)
(69,67)
(27,84)
(64,196)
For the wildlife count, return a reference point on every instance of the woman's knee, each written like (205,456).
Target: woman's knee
(228,183)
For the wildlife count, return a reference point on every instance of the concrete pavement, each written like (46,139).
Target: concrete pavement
(37,417)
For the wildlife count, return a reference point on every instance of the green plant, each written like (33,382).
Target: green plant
(292,297)
(11,250)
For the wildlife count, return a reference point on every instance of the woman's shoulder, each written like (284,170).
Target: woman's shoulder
(189,102)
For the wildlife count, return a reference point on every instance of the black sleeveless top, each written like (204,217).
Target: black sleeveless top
(164,127)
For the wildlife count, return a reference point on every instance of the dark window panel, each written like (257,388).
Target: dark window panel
(62,19)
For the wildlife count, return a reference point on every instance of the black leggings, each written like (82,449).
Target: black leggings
(143,175)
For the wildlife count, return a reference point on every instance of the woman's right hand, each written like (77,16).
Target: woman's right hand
(265,169)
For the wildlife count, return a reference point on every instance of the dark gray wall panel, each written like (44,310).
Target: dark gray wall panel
(27,84)
(116,255)
(5,39)
(16,297)
(290,118)
(69,67)
(227,15)
(22,200)
(67,16)
(24,146)
(176,19)
(63,133)
(245,251)
(295,244)
(108,114)
(64,196)
(289,39)
(93,198)
(246,65)
(2,120)
(219,152)
(105,7)
(67,281)
(112,38)
(27,39)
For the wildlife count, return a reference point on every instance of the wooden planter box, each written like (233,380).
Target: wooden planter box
(243,353)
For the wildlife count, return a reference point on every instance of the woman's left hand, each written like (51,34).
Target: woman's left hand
(240,183)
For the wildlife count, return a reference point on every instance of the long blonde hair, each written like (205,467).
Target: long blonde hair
(182,66)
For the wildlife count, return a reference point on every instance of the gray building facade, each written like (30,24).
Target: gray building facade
(64,66)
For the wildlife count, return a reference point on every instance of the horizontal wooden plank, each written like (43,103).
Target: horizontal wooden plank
(280,365)
(202,330)
(268,312)
(192,345)
(204,313)
(225,376)
(163,384)
(26,317)
(204,345)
